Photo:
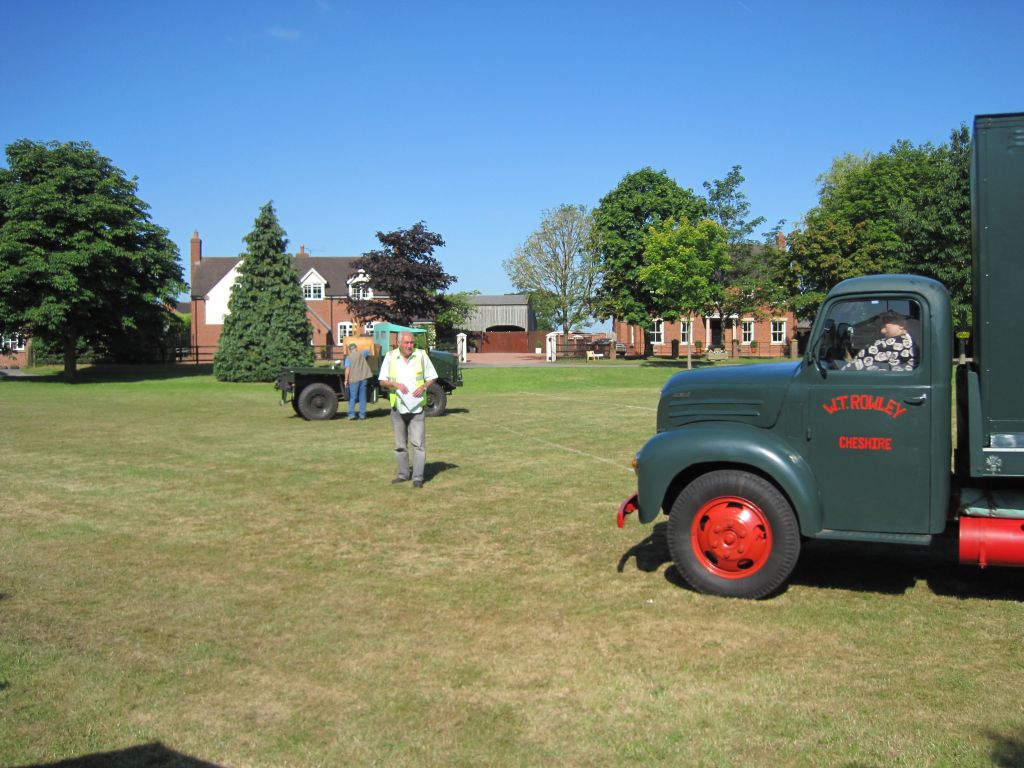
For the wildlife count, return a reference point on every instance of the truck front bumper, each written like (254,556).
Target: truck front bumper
(628,507)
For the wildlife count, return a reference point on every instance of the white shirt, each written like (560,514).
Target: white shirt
(405,373)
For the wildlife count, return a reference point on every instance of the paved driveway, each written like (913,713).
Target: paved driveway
(503,359)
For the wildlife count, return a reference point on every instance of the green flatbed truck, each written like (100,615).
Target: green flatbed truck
(749,461)
(315,392)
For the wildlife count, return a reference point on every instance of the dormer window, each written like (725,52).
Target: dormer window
(313,286)
(359,286)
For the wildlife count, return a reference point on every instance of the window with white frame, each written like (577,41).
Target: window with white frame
(344,329)
(747,331)
(12,343)
(685,331)
(368,328)
(313,285)
(657,332)
(359,286)
(778,331)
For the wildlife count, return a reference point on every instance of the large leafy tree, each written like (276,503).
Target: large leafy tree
(937,226)
(408,276)
(621,220)
(556,261)
(746,279)
(452,317)
(680,268)
(266,329)
(728,205)
(80,261)
(545,309)
(906,210)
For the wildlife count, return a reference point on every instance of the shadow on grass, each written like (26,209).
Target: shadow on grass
(680,363)
(154,755)
(862,567)
(106,374)
(1007,750)
(435,468)
(373,412)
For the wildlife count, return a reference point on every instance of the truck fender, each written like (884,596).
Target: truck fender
(670,460)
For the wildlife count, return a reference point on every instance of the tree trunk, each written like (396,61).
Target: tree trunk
(70,358)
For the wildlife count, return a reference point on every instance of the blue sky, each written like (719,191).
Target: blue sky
(474,117)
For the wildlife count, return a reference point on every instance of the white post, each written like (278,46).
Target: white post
(552,346)
(460,347)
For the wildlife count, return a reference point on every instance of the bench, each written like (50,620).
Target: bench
(591,355)
(717,354)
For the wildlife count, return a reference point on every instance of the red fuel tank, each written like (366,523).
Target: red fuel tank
(991,541)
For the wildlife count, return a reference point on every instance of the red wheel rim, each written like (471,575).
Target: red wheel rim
(731,537)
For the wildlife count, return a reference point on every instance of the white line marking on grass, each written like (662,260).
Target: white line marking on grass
(550,444)
(603,400)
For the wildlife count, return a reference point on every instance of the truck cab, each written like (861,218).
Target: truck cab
(748,460)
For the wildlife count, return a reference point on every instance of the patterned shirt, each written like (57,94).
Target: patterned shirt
(895,353)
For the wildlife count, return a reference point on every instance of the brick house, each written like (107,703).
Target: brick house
(737,335)
(13,350)
(326,282)
(768,333)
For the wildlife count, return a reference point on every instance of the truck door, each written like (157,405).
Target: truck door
(867,421)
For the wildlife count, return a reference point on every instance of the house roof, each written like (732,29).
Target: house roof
(500,301)
(336,270)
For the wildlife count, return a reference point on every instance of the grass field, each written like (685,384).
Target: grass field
(191,574)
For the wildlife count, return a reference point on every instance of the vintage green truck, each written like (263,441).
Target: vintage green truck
(749,461)
(315,392)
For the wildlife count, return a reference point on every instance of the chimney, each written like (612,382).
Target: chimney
(780,241)
(302,251)
(197,250)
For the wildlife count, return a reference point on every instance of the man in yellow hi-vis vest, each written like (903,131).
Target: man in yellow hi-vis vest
(407,372)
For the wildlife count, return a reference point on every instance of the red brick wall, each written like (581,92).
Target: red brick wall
(633,336)
(15,359)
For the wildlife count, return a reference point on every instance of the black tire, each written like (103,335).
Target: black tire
(318,402)
(733,534)
(437,400)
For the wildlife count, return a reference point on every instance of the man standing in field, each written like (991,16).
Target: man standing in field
(407,372)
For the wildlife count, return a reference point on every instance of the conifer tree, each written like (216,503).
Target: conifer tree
(266,329)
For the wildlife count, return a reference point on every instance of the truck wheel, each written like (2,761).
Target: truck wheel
(318,402)
(437,400)
(733,534)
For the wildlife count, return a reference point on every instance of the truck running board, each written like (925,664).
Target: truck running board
(920,539)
